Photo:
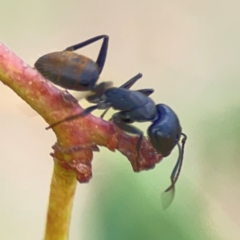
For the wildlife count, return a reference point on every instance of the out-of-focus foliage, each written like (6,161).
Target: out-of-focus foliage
(128,209)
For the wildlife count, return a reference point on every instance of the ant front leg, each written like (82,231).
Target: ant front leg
(123,122)
(103,51)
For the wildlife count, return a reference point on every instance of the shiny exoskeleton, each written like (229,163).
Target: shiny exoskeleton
(136,106)
(73,71)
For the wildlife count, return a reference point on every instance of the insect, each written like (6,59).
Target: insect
(73,71)
(136,106)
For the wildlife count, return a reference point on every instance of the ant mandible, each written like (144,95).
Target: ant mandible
(136,106)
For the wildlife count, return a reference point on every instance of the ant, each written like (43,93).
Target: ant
(136,106)
(73,71)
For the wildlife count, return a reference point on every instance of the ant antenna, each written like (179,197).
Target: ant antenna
(177,169)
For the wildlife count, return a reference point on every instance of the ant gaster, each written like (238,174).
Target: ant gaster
(73,71)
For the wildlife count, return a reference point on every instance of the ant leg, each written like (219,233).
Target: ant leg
(118,119)
(82,114)
(103,51)
(104,113)
(70,118)
(131,81)
(102,54)
(85,43)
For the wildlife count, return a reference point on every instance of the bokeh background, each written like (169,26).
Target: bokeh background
(189,52)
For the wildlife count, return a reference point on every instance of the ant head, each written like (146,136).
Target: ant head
(164,134)
(165,131)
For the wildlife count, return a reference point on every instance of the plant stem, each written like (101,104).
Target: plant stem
(63,187)
(76,140)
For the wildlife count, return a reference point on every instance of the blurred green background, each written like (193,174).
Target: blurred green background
(189,52)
